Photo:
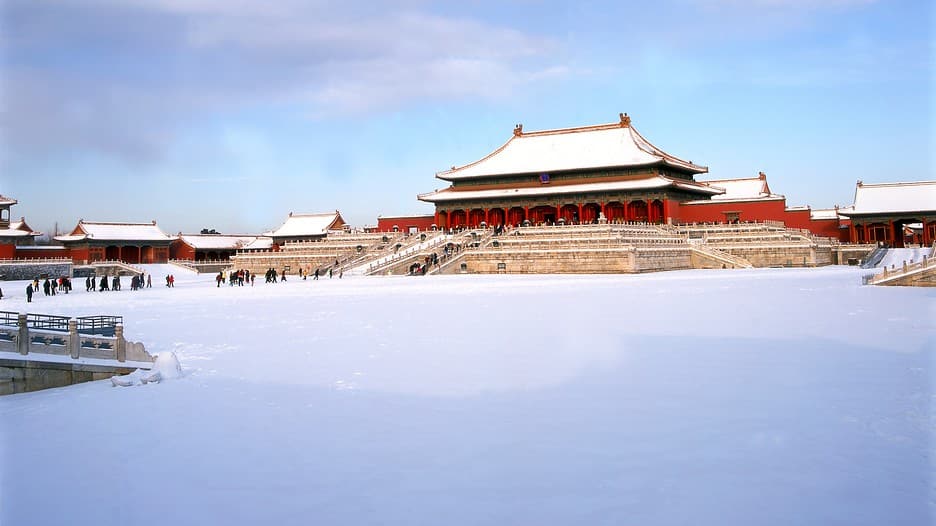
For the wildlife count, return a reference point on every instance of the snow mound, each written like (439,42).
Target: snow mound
(166,367)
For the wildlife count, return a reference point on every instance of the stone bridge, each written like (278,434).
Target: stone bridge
(39,351)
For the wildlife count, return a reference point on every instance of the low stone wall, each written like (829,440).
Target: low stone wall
(259,263)
(22,376)
(621,260)
(851,254)
(24,270)
(654,259)
(570,261)
(782,256)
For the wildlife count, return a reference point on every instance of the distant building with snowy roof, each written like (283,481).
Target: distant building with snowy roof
(92,241)
(211,247)
(306,227)
(882,212)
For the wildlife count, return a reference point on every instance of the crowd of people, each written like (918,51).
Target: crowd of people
(240,277)
(52,286)
(237,277)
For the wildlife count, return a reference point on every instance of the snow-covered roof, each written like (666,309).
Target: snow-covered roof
(823,214)
(743,189)
(216,241)
(7,201)
(657,181)
(893,198)
(602,146)
(103,231)
(261,243)
(301,225)
(15,232)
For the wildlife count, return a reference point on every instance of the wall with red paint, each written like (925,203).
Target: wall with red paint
(7,250)
(179,249)
(714,211)
(386,224)
(32,252)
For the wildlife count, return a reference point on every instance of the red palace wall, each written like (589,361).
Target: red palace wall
(181,250)
(7,250)
(404,223)
(714,212)
(773,210)
(41,253)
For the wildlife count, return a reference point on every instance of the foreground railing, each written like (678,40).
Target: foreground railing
(84,337)
(905,270)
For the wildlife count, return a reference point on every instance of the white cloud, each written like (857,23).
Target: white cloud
(183,56)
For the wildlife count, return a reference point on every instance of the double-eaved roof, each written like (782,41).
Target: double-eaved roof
(651,182)
(613,145)
(893,198)
(107,231)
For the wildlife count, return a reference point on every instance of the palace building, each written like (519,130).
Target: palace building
(588,174)
(306,227)
(890,213)
(92,241)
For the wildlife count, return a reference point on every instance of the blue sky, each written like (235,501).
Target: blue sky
(229,114)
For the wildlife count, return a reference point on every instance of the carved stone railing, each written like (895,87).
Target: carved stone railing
(905,270)
(26,340)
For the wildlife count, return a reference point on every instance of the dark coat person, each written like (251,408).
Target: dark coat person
(29,293)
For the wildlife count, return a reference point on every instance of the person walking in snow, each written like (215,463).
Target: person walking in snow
(29,293)
(46,287)
(149,281)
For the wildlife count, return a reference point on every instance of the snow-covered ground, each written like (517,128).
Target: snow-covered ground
(774,396)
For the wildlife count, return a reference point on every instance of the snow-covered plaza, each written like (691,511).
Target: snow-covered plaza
(770,396)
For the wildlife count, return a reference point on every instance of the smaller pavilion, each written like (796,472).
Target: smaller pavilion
(883,212)
(306,227)
(92,241)
(208,247)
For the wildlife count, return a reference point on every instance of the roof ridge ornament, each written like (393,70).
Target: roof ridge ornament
(625,120)
(518,130)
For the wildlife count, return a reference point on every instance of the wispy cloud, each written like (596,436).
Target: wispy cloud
(120,77)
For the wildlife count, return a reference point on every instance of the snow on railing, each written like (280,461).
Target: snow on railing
(68,341)
(405,252)
(34,261)
(905,270)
